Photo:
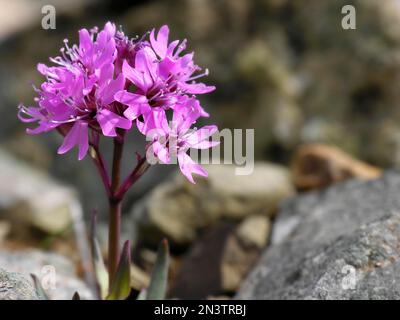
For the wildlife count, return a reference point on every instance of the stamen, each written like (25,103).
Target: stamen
(180,48)
(205,73)
(73,119)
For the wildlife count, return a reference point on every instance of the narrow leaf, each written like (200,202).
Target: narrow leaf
(98,262)
(39,289)
(121,286)
(158,284)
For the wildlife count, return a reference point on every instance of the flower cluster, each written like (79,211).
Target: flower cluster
(109,84)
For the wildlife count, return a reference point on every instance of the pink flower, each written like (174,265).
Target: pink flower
(109,83)
(78,93)
(179,69)
(161,77)
(175,139)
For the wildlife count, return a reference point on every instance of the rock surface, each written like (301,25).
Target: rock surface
(340,243)
(14,286)
(44,265)
(179,210)
(30,197)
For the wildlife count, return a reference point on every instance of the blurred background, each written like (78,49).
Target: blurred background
(324,103)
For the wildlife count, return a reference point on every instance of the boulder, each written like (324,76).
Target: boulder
(339,243)
(318,165)
(29,197)
(179,210)
(241,251)
(15,286)
(56,273)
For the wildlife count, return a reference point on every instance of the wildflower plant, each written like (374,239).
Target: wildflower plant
(104,87)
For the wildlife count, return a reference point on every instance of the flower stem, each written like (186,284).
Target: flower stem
(115,210)
(114,238)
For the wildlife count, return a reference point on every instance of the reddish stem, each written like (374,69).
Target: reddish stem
(114,228)
(115,193)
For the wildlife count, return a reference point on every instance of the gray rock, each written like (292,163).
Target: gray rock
(46,265)
(14,286)
(179,210)
(341,243)
(30,197)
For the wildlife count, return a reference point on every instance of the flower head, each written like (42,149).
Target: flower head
(109,83)
(173,140)
(78,93)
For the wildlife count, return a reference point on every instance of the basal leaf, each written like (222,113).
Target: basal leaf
(121,285)
(158,284)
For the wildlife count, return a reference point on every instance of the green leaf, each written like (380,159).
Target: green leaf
(98,262)
(39,289)
(76,296)
(121,286)
(158,284)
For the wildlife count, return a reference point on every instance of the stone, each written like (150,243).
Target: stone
(227,252)
(254,231)
(44,265)
(32,198)
(363,265)
(5,228)
(317,166)
(15,286)
(237,260)
(179,210)
(338,243)
(242,249)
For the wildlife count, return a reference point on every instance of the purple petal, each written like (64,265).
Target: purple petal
(77,135)
(134,76)
(85,41)
(200,138)
(105,74)
(43,127)
(145,65)
(188,167)
(196,88)
(137,104)
(155,123)
(185,115)
(172,46)
(166,67)
(160,44)
(161,151)
(109,121)
(110,29)
(106,94)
